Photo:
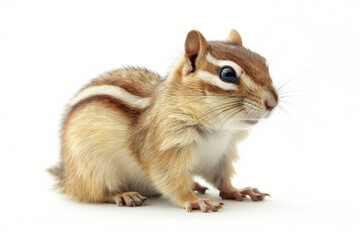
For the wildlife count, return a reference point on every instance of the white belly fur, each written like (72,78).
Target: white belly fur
(210,152)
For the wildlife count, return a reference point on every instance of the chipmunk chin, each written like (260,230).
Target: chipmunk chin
(241,124)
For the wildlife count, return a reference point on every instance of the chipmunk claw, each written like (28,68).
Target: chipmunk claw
(242,194)
(200,189)
(205,205)
(130,199)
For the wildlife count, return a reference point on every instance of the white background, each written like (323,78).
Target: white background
(307,158)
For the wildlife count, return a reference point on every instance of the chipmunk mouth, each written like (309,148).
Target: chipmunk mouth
(251,122)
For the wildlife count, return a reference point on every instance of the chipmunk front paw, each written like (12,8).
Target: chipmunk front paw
(204,205)
(241,194)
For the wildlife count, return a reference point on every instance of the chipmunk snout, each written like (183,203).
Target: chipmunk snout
(271,99)
(269,105)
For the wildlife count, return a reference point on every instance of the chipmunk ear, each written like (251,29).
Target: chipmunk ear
(235,37)
(195,49)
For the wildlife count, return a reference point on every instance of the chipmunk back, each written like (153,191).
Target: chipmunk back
(131,134)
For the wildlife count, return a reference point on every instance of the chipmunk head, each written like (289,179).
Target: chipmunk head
(233,83)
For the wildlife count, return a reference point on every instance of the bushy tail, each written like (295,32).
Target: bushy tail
(55,172)
(58,174)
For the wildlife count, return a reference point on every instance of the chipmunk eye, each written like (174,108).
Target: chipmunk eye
(228,74)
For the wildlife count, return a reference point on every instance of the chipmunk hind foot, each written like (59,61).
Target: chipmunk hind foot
(130,199)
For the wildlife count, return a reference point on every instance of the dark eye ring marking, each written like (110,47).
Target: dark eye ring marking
(228,74)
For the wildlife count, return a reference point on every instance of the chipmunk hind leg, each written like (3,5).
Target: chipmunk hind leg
(94,152)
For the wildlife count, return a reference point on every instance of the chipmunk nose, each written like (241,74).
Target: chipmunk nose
(269,105)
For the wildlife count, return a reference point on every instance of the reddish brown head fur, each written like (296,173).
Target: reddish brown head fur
(252,63)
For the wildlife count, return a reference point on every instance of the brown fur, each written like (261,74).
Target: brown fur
(252,63)
(139,82)
(107,102)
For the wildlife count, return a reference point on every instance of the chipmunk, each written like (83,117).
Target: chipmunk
(131,134)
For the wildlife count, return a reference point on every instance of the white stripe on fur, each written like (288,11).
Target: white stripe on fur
(244,78)
(249,82)
(222,63)
(113,91)
(214,79)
